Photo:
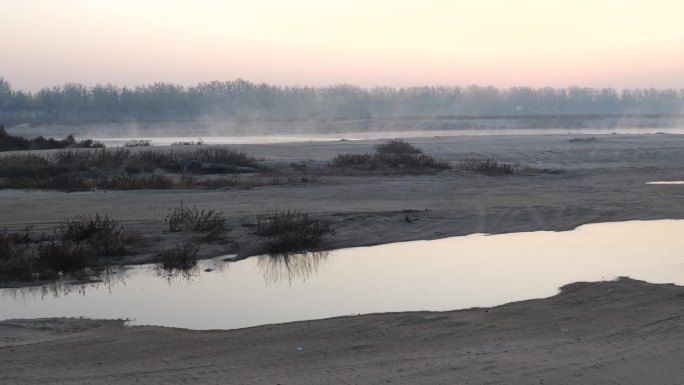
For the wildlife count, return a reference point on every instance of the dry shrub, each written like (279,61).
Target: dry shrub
(210,223)
(287,231)
(485,166)
(396,146)
(62,257)
(99,232)
(180,256)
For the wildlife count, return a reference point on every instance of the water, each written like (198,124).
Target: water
(375,135)
(451,273)
(667,182)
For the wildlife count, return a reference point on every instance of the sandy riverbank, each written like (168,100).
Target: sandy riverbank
(597,181)
(626,332)
(615,332)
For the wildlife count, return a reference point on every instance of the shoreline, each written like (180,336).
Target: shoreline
(589,332)
(601,181)
(626,331)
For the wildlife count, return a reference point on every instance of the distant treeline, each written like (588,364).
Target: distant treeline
(242,99)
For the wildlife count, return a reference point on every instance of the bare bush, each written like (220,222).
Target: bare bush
(180,256)
(287,231)
(209,222)
(100,232)
(62,257)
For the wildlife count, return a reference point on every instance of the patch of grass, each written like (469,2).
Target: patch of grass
(112,168)
(22,165)
(394,156)
(199,142)
(77,245)
(17,143)
(138,143)
(179,256)
(62,257)
(224,155)
(101,233)
(210,223)
(396,146)
(15,261)
(133,182)
(84,182)
(287,231)
(485,166)
(408,162)
(82,160)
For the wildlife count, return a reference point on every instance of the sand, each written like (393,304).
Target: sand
(620,332)
(599,181)
(608,332)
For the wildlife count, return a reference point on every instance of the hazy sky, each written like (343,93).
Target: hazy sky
(616,43)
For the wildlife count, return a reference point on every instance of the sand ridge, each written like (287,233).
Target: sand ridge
(623,332)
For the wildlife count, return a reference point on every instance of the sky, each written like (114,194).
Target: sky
(558,43)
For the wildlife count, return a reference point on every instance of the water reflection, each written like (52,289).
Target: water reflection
(177,276)
(443,274)
(275,269)
(107,279)
(289,267)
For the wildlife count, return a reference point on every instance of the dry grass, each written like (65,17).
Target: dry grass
(485,166)
(77,244)
(101,233)
(394,156)
(113,169)
(179,256)
(288,231)
(211,224)
(396,146)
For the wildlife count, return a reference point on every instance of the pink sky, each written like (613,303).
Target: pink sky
(598,43)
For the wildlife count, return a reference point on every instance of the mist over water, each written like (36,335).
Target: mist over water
(264,132)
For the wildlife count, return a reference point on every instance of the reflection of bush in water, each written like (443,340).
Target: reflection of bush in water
(107,277)
(175,276)
(279,267)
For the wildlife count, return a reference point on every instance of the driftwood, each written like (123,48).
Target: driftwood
(217,168)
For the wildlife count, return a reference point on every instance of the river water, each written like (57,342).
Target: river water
(451,273)
(157,140)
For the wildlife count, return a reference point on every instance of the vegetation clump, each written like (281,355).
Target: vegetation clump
(15,261)
(101,233)
(63,256)
(138,143)
(116,168)
(179,256)
(77,245)
(397,146)
(17,143)
(287,231)
(486,166)
(210,223)
(393,156)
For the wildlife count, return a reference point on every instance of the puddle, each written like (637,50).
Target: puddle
(445,274)
(667,182)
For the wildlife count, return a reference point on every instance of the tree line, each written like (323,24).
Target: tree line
(241,99)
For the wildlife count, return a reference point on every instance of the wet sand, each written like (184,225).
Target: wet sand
(623,332)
